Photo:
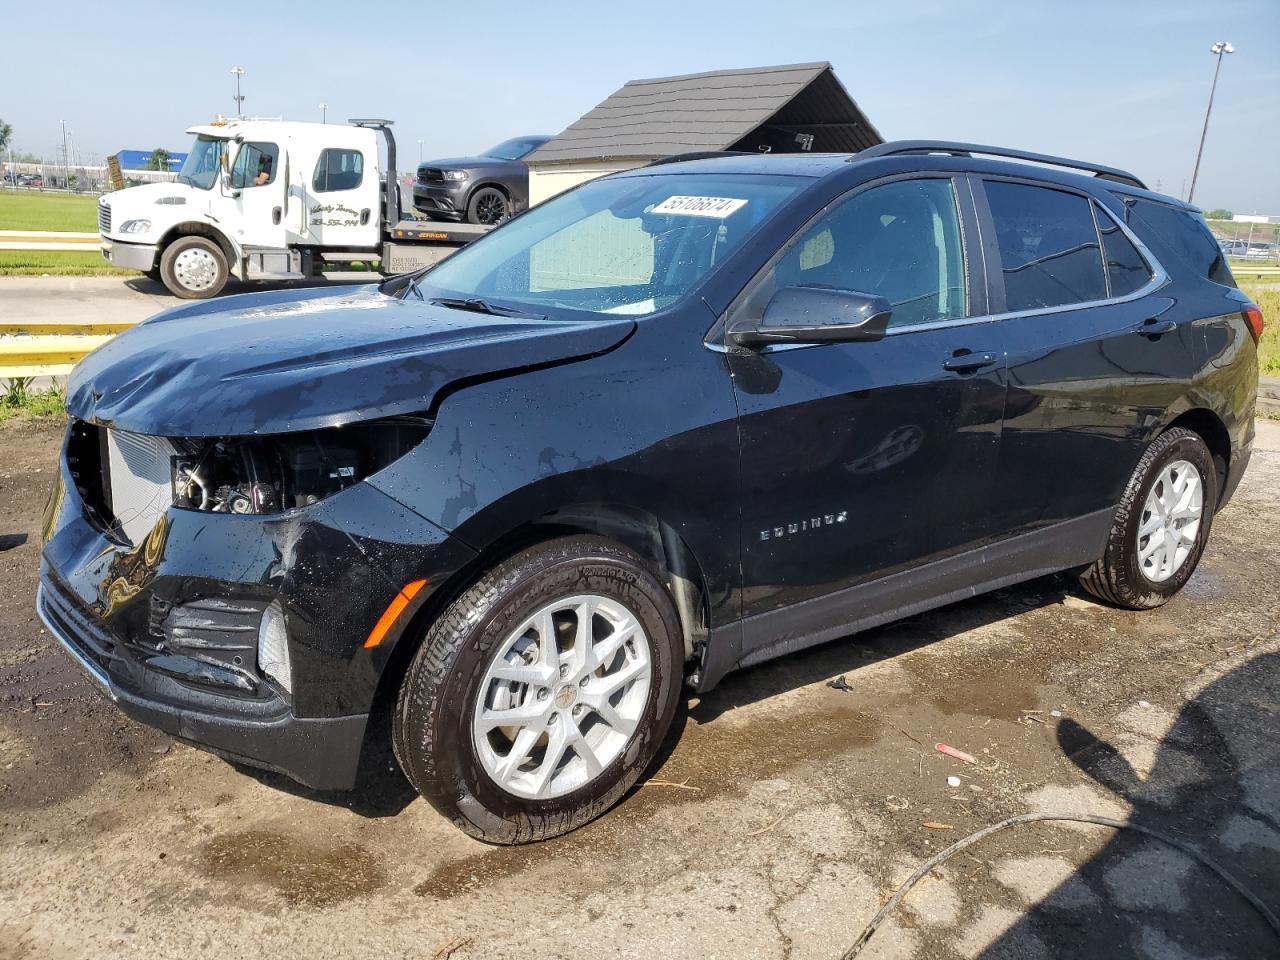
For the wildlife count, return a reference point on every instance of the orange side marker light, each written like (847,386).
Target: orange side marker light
(392,613)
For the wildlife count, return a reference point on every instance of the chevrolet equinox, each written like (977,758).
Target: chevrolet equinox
(671,423)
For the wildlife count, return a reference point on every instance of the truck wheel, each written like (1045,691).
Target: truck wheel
(542,693)
(154,274)
(1161,524)
(488,206)
(193,268)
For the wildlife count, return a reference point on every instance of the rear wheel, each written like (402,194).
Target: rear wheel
(488,206)
(1161,524)
(542,693)
(193,268)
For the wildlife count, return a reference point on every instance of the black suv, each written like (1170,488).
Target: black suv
(676,421)
(487,189)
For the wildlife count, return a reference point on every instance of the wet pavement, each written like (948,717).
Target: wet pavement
(782,815)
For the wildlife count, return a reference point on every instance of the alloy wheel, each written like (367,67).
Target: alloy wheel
(1170,521)
(562,696)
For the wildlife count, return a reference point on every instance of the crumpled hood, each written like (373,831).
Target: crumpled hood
(305,359)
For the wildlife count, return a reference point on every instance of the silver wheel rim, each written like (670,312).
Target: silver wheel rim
(1170,521)
(562,696)
(195,268)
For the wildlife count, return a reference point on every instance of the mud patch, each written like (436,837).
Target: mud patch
(299,872)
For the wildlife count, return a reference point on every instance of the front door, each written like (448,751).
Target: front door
(864,459)
(342,200)
(258,189)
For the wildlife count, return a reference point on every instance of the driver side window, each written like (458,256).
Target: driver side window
(255,165)
(900,241)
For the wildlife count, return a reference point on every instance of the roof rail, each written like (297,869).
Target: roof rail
(696,155)
(895,148)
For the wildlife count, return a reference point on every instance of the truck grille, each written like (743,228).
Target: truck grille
(104,217)
(430,175)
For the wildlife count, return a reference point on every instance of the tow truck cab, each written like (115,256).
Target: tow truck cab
(265,200)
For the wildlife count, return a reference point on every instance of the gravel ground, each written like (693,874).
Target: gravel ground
(783,815)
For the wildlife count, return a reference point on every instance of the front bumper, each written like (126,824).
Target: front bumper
(166,628)
(447,199)
(132,256)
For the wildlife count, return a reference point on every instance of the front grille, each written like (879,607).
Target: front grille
(124,479)
(104,217)
(430,175)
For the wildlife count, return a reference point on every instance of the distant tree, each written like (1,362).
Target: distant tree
(1219,214)
(158,159)
(6,135)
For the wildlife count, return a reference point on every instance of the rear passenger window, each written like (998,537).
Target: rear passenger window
(338,170)
(1127,271)
(1048,246)
(1186,234)
(900,241)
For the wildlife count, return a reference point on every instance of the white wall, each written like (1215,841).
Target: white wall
(546,180)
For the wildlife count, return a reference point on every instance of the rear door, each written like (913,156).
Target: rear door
(862,459)
(342,194)
(1096,352)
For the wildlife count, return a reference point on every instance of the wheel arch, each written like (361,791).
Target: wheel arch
(1210,428)
(195,228)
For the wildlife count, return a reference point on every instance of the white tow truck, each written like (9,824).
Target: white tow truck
(272,200)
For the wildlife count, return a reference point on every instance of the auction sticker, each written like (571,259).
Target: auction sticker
(719,207)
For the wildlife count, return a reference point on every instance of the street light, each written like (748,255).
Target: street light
(239,72)
(66,160)
(324,113)
(1218,49)
(419,151)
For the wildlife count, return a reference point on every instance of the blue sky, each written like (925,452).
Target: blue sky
(1123,83)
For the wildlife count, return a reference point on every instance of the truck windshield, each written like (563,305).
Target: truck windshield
(201,167)
(627,245)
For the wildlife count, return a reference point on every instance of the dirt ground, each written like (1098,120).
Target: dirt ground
(782,817)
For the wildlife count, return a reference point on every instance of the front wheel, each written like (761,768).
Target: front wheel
(1161,524)
(542,693)
(489,206)
(194,268)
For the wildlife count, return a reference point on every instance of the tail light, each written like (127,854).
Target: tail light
(1253,317)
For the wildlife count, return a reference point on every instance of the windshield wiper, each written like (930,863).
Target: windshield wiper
(476,305)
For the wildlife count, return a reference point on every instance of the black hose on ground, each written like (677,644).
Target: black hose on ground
(982,834)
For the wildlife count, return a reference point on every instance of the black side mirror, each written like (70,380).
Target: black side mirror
(816,315)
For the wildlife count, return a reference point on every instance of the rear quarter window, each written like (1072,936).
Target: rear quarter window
(1182,233)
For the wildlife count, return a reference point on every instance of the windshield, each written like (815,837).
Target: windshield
(628,245)
(515,148)
(201,167)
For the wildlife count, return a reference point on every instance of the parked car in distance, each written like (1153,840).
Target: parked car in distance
(677,421)
(486,189)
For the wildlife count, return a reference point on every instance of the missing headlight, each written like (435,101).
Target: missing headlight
(257,475)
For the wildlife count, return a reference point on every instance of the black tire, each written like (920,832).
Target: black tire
(488,206)
(173,274)
(1117,576)
(432,722)
(154,275)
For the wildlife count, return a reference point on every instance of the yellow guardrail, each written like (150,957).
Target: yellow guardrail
(50,349)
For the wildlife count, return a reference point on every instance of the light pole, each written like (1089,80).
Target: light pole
(66,161)
(239,72)
(324,113)
(419,151)
(1218,49)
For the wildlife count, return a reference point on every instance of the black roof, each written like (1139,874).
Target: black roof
(721,110)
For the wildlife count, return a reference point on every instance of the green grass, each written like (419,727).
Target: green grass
(62,263)
(1266,294)
(19,400)
(32,210)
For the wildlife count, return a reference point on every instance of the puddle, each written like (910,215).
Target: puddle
(1000,697)
(299,872)
(1205,584)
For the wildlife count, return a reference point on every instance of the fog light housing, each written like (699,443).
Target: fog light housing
(273,646)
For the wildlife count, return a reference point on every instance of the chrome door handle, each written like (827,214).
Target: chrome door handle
(965,362)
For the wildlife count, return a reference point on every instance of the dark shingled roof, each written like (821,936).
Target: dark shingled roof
(721,110)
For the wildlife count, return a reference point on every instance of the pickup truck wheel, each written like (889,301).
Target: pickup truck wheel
(1161,524)
(543,692)
(193,268)
(488,206)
